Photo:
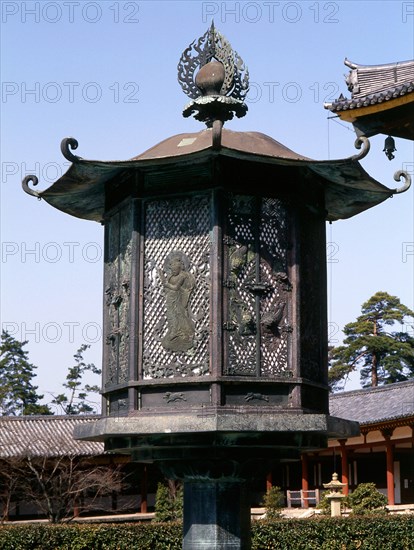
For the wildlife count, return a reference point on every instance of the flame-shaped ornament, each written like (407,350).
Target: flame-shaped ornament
(214,76)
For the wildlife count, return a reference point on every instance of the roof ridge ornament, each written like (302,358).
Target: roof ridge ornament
(217,90)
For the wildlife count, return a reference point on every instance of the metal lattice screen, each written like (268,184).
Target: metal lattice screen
(257,287)
(180,227)
(274,306)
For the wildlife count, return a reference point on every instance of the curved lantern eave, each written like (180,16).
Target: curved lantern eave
(81,191)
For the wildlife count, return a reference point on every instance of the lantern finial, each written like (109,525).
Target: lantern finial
(214,76)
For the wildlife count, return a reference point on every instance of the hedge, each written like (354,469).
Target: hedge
(362,533)
(141,536)
(359,532)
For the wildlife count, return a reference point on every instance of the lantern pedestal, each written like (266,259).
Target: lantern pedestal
(216,515)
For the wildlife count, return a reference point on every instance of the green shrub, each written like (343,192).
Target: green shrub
(367,500)
(169,502)
(322,533)
(273,501)
(363,533)
(142,536)
(324,504)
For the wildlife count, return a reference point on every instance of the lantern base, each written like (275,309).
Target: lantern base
(216,515)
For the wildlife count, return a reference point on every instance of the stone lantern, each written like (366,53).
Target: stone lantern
(215,317)
(335,494)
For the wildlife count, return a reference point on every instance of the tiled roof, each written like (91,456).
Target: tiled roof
(374,404)
(53,435)
(44,436)
(344,104)
(372,84)
(364,80)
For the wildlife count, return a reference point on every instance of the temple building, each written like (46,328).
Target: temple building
(382,99)
(384,451)
(383,454)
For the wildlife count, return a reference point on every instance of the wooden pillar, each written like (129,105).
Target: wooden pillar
(305,480)
(344,466)
(390,466)
(144,490)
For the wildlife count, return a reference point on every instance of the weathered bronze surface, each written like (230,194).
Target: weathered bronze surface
(176,307)
(220,85)
(231,77)
(178,285)
(348,189)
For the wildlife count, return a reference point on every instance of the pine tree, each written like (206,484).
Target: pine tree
(76,399)
(383,354)
(17,393)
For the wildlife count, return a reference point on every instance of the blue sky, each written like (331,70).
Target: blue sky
(105,73)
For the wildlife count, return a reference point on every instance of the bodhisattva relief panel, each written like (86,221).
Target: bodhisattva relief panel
(177,287)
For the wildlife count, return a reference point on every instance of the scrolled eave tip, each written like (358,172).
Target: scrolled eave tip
(407,181)
(362,141)
(66,145)
(27,189)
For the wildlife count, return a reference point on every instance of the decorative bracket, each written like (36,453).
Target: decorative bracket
(65,146)
(363,141)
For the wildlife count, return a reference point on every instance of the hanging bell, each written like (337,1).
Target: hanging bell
(389,147)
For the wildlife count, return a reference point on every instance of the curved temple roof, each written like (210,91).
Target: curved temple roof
(374,405)
(382,99)
(48,435)
(80,192)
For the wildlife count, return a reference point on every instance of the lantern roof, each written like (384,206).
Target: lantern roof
(216,80)
(81,191)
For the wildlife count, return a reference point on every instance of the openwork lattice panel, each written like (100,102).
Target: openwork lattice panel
(241,325)
(274,306)
(177,287)
(258,287)
(117,292)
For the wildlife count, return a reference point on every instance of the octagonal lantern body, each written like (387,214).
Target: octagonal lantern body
(243,321)
(215,328)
